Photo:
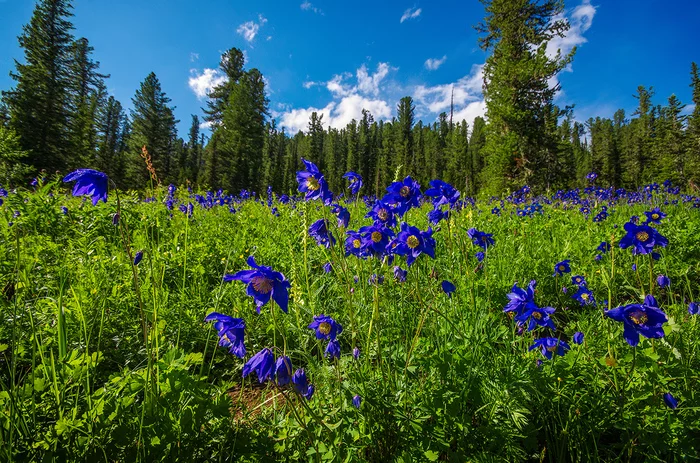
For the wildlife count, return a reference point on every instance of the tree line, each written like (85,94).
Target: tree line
(59,117)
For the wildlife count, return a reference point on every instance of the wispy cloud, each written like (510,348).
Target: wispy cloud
(432,64)
(411,13)
(194,57)
(308,6)
(202,83)
(250,29)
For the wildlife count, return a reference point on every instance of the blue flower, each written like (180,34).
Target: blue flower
(480,256)
(301,384)
(261,363)
(312,182)
(578,280)
(481,239)
(550,346)
(521,300)
(333,349)
(355,182)
(356,353)
(603,247)
(263,284)
(89,182)
(403,195)
(436,215)
(412,242)
(578,337)
(382,212)
(357,401)
(642,238)
(561,268)
(654,216)
(442,193)
(645,319)
(670,401)
(354,244)
(663,281)
(326,327)
(342,214)
(584,296)
(283,370)
(693,308)
(319,231)
(591,176)
(231,332)
(536,316)
(327,267)
(375,238)
(496,211)
(64,209)
(400,274)
(448,287)
(138,257)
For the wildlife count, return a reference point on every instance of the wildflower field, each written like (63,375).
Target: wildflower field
(418,326)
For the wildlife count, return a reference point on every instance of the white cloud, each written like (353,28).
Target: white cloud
(250,29)
(202,83)
(433,63)
(308,84)
(194,57)
(336,114)
(205,125)
(580,20)
(369,84)
(411,13)
(438,98)
(308,6)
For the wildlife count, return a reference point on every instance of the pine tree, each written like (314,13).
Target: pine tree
(693,131)
(477,140)
(517,87)
(111,143)
(39,104)
(404,151)
(152,126)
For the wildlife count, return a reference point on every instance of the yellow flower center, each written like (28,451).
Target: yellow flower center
(642,236)
(383,215)
(356,243)
(655,216)
(376,237)
(639,317)
(261,284)
(536,315)
(412,242)
(562,268)
(551,348)
(324,328)
(405,191)
(312,184)
(584,296)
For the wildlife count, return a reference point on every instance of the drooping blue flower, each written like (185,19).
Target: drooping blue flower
(327,267)
(355,182)
(561,268)
(64,209)
(400,274)
(642,238)
(412,242)
(442,193)
(536,316)
(645,319)
(578,337)
(550,346)
(584,296)
(354,244)
(603,247)
(693,308)
(403,195)
(448,288)
(262,364)
(670,401)
(283,370)
(480,256)
(312,182)
(382,212)
(484,240)
(375,279)
(437,214)
(231,332)
(333,349)
(376,237)
(301,384)
(578,280)
(89,182)
(342,214)
(356,353)
(654,216)
(319,231)
(138,257)
(521,300)
(326,327)
(663,281)
(263,284)
(357,401)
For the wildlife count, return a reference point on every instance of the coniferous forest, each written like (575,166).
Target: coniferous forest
(59,116)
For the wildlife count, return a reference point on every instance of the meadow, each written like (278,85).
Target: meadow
(128,324)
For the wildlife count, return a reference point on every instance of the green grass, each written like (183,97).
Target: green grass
(441,379)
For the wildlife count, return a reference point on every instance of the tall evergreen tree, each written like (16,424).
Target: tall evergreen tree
(518,97)
(111,143)
(39,103)
(693,133)
(404,125)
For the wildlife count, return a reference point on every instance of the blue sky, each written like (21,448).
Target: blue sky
(338,57)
